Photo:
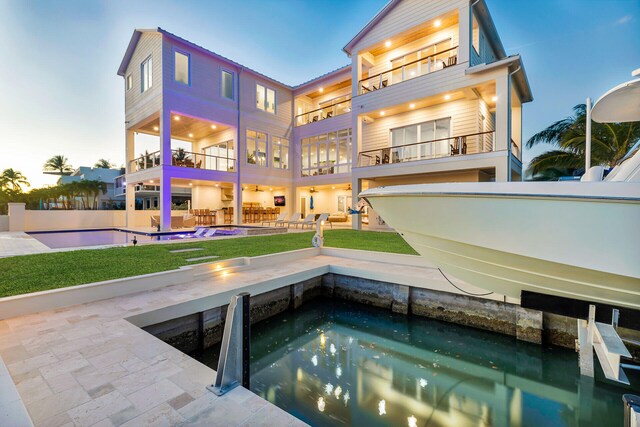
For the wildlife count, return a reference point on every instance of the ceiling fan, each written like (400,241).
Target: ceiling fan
(313,190)
(257,189)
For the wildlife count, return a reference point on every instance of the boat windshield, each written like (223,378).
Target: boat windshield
(627,168)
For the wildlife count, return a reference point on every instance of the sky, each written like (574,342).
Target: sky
(60,94)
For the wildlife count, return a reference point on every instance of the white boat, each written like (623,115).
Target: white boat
(578,240)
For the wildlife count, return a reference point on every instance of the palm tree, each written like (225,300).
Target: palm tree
(103,163)
(13,180)
(58,165)
(609,143)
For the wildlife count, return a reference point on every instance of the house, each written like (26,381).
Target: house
(104,200)
(429,95)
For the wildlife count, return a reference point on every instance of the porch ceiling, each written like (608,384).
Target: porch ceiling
(327,88)
(184,127)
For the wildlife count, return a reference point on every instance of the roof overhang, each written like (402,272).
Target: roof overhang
(481,12)
(342,71)
(372,23)
(130,49)
(619,105)
(515,65)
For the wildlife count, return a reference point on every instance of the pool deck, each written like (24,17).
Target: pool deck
(87,365)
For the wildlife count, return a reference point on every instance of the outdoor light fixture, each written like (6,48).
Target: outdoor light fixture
(155,128)
(321,90)
(447,97)
(387,43)
(217,185)
(176,118)
(190,135)
(494,98)
(151,181)
(382,113)
(213,126)
(437,23)
(412,106)
(190,183)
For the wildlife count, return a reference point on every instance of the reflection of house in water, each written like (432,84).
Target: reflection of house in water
(441,374)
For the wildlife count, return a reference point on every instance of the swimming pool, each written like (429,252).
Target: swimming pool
(111,236)
(335,363)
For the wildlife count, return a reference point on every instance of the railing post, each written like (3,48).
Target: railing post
(631,409)
(233,364)
(428,65)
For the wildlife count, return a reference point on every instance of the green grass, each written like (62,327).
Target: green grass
(31,273)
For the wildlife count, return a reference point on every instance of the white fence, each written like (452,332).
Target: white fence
(4,222)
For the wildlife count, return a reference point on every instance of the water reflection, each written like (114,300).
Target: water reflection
(333,363)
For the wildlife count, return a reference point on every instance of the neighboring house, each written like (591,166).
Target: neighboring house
(148,195)
(429,96)
(106,200)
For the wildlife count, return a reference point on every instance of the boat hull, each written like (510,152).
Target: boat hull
(584,248)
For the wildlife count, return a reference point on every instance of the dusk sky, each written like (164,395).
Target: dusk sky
(59,92)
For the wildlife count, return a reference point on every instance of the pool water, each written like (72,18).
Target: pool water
(72,239)
(334,363)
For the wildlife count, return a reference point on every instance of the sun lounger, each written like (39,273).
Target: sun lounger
(200,231)
(210,233)
(309,219)
(281,218)
(294,219)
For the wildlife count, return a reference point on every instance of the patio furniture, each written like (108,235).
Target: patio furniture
(200,231)
(210,233)
(338,217)
(228,215)
(294,219)
(309,219)
(188,221)
(155,220)
(279,220)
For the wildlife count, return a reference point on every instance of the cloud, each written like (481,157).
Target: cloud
(624,20)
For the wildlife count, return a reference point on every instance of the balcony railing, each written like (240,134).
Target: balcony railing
(147,161)
(515,150)
(410,70)
(202,161)
(185,159)
(455,146)
(335,109)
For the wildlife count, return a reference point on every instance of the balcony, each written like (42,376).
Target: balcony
(185,159)
(410,70)
(337,108)
(482,142)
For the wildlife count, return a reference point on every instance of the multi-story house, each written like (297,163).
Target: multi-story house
(109,199)
(429,96)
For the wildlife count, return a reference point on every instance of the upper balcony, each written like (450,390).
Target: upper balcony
(423,49)
(323,98)
(184,159)
(476,143)
(410,66)
(335,107)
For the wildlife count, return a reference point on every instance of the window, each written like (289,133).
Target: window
(219,157)
(181,68)
(434,134)
(265,99)
(256,148)
(325,154)
(129,81)
(422,61)
(280,152)
(226,84)
(146,74)
(475,35)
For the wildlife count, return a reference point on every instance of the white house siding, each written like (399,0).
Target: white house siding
(406,15)
(449,79)
(464,120)
(139,105)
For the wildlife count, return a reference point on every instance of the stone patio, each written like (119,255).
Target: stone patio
(87,365)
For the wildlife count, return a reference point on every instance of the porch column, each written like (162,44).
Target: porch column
(165,137)
(464,40)
(165,201)
(130,204)
(503,122)
(129,150)
(237,201)
(356,73)
(356,188)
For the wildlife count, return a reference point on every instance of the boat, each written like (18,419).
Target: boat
(575,240)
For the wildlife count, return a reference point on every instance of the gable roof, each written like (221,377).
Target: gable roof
(520,79)
(138,33)
(372,23)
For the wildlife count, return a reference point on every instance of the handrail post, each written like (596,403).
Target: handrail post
(233,364)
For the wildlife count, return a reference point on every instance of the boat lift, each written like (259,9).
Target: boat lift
(604,339)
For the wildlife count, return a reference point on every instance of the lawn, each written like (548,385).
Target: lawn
(31,273)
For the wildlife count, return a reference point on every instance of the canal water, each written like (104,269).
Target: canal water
(335,363)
